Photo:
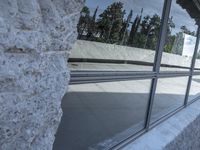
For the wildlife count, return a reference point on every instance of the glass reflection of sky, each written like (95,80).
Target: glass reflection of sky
(136,5)
(181,17)
(151,7)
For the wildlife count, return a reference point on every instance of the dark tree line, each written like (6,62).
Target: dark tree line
(114,25)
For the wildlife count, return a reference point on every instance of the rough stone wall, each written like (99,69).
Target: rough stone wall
(35,39)
(189,139)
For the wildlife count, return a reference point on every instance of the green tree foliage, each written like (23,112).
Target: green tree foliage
(92,26)
(134,30)
(110,22)
(114,26)
(124,31)
(151,28)
(169,43)
(83,21)
(171,26)
(198,55)
(148,34)
(139,40)
(178,43)
(187,31)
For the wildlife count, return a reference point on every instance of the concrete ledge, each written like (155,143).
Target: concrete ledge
(96,50)
(180,132)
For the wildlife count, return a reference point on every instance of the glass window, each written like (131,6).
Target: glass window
(181,39)
(101,114)
(197,63)
(195,88)
(170,95)
(117,35)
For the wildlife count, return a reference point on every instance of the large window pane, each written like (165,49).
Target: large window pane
(117,35)
(195,88)
(181,39)
(170,94)
(101,114)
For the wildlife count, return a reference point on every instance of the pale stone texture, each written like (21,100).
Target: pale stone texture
(118,52)
(35,39)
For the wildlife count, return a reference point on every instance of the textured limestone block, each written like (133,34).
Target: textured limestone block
(35,39)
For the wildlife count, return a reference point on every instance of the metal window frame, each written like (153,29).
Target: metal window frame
(192,67)
(158,57)
(83,77)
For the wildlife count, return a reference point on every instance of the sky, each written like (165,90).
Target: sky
(151,7)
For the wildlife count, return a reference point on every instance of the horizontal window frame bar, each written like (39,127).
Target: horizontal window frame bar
(196,69)
(109,61)
(173,74)
(99,73)
(117,61)
(196,73)
(107,79)
(83,77)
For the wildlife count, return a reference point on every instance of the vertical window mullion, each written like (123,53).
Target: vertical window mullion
(157,61)
(192,67)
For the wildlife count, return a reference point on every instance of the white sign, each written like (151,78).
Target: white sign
(189,45)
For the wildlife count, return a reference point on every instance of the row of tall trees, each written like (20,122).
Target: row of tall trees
(114,25)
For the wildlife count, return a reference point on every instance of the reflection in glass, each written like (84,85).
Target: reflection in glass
(170,94)
(181,39)
(197,63)
(123,32)
(101,114)
(195,88)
